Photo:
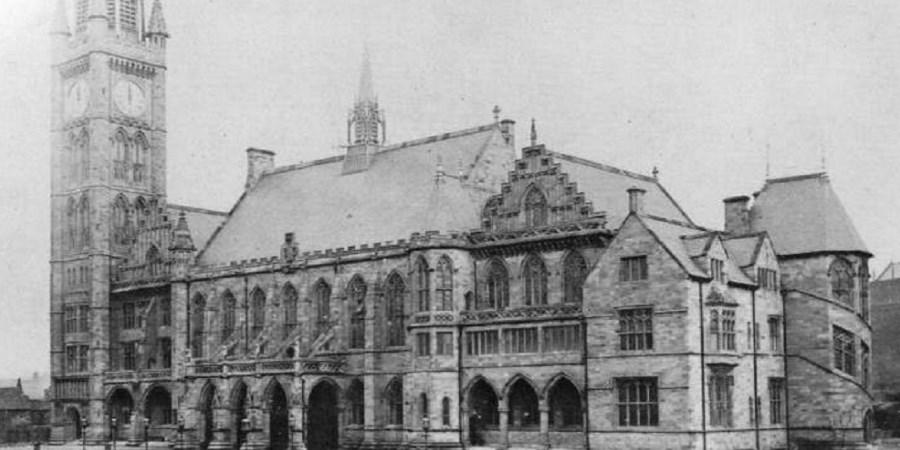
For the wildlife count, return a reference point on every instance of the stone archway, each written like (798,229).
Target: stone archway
(239,403)
(205,408)
(73,424)
(120,405)
(322,418)
(279,418)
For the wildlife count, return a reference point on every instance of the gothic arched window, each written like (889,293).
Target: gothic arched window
(396,328)
(121,155)
(140,213)
(356,401)
(153,260)
(497,286)
(445,412)
(257,312)
(198,325)
(444,286)
(535,281)
(72,223)
(84,217)
(84,153)
(393,396)
(229,313)
(140,158)
(535,208)
(841,275)
(421,279)
(356,296)
(864,289)
(121,221)
(574,274)
(423,409)
(322,296)
(289,301)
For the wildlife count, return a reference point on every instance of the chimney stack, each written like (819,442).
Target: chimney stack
(737,215)
(259,161)
(636,200)
(508,131)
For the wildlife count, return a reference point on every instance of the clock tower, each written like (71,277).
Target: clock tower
(108,178)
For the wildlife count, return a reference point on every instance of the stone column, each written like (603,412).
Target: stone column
(296,422)
(545,424)
(221,439)
(504,424)
(134,433)
(256,439)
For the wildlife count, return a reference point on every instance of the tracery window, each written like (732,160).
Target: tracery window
(497,286)
(535,208)
(84,152)
(841,281)
(257,313)
(357,302)
(229,307)
(356,400)
(140,213)
(535,281)
(72,224)
(322,296)
(444,286)
(121,221)
(289,301)
(154,261)
(396,327)
(140,168)
(394,401)
(122,155)
(198,311)
(574,274)
(421,280)
(84,215)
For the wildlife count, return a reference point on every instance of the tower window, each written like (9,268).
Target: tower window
(535,208)
(422,287)
(357,313)
(535,281)
(841,281)
(574,273)
(444,286)
(844,351)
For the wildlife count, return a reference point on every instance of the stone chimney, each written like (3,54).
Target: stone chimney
(636,200)
(259,161)
(737,215)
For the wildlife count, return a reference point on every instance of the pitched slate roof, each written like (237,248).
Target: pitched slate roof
(606,187)
(802,214)
(202,222)
(744,249)
(669,234)
(396,196)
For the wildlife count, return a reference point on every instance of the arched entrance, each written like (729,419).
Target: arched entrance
(239,404)
(483,411)
(120,406)
(158,408)
(322,418)
(206,412)
(279,423)
(73,424)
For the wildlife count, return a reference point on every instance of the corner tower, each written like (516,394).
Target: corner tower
(108,138)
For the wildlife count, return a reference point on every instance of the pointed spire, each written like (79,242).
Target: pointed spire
(366,86)
(60,20)
(496,112)
(181,236)
(533,133)
(157,23)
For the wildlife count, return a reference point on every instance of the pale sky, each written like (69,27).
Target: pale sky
(699,89)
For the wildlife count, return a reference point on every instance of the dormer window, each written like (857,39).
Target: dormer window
(717,269)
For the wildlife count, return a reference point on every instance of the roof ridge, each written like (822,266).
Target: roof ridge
(678,222)
(304,165)
(797,177)
(601,166)
(196,209)
(752,234)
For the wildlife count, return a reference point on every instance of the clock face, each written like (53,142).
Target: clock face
(76,99)
(129,98)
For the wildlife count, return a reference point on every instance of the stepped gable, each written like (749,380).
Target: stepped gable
(603,186)
(202,222)
(802,214)
(404,190)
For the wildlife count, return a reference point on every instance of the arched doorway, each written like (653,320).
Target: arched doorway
(279,422)
(239,405)
(158,408)
(322,418)
(120,406)
(206,411)
(867,426)
(73,424)
(483,411)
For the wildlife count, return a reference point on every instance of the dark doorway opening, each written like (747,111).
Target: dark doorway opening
(120,406)
(322,418)
(206,407)
(73,424)
(279,423)
(238,413)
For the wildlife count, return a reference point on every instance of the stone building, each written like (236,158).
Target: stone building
(443,292)
(22,419)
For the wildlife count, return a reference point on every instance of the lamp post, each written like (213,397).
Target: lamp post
(180,431)
(426,424)
(291,419)
(112,422)
(245,431)
(83,433)
(146,434)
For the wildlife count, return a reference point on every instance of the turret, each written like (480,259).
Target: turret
(182,248)
(156,30)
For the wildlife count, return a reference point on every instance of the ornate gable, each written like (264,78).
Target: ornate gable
(537,195)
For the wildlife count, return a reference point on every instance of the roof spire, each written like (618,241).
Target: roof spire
(157,23)
(496,112)
(60,20)
(366,86)
(533,133)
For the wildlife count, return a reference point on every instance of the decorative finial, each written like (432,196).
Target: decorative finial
(533,133)
(496,112)
(655,173)
(768,161)
(439,173)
